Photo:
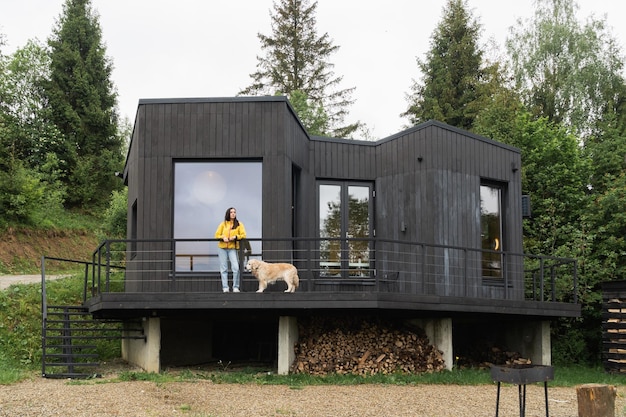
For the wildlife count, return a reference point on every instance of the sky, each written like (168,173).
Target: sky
(208,48)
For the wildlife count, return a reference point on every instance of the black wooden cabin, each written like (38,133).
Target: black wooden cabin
(425,224)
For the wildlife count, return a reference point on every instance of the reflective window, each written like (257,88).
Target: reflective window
(491,230)
(344,212)
(203,191)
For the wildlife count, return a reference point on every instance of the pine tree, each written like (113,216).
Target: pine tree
(313,118)
(452,73)
(82,100)
(297,59)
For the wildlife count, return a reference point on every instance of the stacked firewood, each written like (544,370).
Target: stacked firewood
(363,347)
(488,356)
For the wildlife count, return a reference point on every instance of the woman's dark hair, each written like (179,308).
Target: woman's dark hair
(227,217)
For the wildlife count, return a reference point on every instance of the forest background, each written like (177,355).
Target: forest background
(557,93)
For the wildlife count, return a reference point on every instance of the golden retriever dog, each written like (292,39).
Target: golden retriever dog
(267,273)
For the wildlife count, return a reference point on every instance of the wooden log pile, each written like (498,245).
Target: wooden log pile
(485,356)
(364,347)
(614,335)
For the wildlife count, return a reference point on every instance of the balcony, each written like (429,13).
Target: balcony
(130,277)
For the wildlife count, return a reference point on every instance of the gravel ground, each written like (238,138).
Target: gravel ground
(43,397)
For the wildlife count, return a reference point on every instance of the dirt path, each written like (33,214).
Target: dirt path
(7,280)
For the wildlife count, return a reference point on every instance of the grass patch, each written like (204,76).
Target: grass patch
(564,377)
(20,326)
(20,353)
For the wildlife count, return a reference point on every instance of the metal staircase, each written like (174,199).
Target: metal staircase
(69,341)
(70,334)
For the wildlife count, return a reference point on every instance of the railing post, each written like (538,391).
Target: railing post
(553,282)
(309,263)
(85,282)
(108,266)
(174,252)
(505,275)
(423,268)
(100,270)
(575,272)
(541,278)
(44,314)
(465,280)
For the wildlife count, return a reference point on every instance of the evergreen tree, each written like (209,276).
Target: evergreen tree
(452,72)
(313,118)
(297,59)
(82,100)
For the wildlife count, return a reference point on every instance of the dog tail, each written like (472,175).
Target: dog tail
(296,281)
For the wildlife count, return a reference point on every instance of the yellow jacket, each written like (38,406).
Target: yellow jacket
(225,229)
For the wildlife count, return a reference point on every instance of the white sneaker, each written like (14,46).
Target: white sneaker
(225,289)
(235,289)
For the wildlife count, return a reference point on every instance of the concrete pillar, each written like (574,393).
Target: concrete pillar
(287,338)
(145,354)
(439,333)
(532,340)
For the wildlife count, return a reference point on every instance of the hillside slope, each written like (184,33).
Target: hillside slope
(21,250)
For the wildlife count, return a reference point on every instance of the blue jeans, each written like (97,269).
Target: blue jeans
(226,255)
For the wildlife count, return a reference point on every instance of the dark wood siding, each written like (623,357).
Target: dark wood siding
(428,183)
(172,130)
(427,179)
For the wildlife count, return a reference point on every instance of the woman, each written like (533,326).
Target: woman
(229,233)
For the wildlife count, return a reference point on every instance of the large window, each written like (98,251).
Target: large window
(491,230)
(203,191)
(345,212)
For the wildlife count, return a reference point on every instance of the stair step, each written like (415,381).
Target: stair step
(71,355)
(81,329)
(74,375)
(61,346)
(74,364)
(77,321)
(79,337)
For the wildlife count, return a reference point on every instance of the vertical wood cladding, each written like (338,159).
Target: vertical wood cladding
(427,179)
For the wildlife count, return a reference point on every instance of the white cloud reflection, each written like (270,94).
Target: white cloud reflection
(203,191)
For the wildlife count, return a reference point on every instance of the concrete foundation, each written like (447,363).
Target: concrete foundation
(145,354)
(532,340)
(287,338)
(439,333)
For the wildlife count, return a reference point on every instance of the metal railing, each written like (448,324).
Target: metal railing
(338,265)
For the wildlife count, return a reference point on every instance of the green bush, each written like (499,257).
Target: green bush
(20,194)
(114,222)
(20,324)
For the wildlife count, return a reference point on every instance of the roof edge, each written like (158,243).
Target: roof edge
(441,125)
(239,99)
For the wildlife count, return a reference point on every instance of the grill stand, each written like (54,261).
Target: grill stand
(521,375)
